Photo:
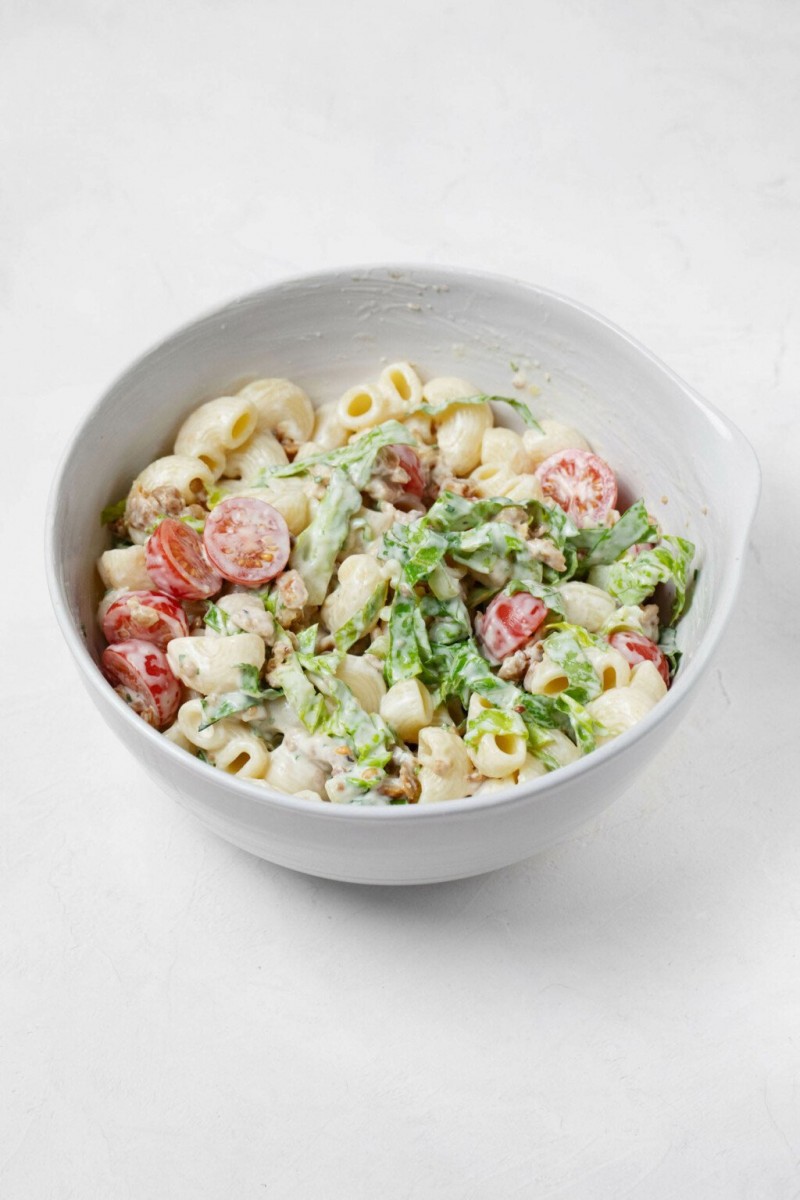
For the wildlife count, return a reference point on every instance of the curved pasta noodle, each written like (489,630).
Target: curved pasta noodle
(499,755)
(501,445)
(492,479)
(421,425)
(329,432)
(261,450)
(190,718)
(444,388)
(445,766)
(212,665)
(402,387)
(560,748)
(281,408)
(612,668)
(214,429)
(364,679)
(532,768)
(242,753)
(620,708)
(293,772)
(359,575)
(407,708)
(175,735)
(554,437)
(362,408)
(188,474)
(587,605)
(646,678)
(490,785)
(459,433)
(125,568)
(546,678)
(525,487)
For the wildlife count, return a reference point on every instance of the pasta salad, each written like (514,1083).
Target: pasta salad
(386,600)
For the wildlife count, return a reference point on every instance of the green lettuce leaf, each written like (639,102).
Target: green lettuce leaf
(669,648)
(566,651)
(112,512)
(408,638)
(604,545)
(316,548)
(353,630)
(227,704)
(356,458)
(217,619)
(634,579)
(493,721)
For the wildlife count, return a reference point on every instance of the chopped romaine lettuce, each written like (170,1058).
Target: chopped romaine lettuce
(634,579)
(316,548)
(216,708)
(356,458)
(493,721)
(408,638)
(112,512)
(669,648)
(604,545)
(217,619)
(565,650)
(353,630)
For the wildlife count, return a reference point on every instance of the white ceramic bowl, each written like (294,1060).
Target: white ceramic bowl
(328,332)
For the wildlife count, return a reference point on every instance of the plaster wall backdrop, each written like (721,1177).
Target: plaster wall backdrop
(619,1018)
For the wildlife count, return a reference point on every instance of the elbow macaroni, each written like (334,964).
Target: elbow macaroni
(444,766)
(212,665)
(281,408)
(359,576)
(214,429)
(125,568)
(363,407)
(554,437)
(259,451)
(407,708)
(460,432)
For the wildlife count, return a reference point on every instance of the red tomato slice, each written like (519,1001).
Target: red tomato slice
(175,562)
(636,648)
(581,483)
(140,674)
(148,616)
(509,622)
(247,540)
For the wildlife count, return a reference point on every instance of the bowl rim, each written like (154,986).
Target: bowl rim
(507,797)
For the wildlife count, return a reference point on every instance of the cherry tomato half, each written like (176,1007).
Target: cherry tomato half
(509,622)
(408,460)
(636,648)
(140,673)
(581,483)
(148,616)
(247,540)
(174,559)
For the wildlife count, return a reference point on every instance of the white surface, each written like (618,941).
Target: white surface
(616,1019)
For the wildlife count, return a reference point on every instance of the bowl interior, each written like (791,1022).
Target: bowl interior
(697,473)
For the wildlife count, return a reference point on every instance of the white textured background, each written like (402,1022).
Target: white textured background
(619,1018)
